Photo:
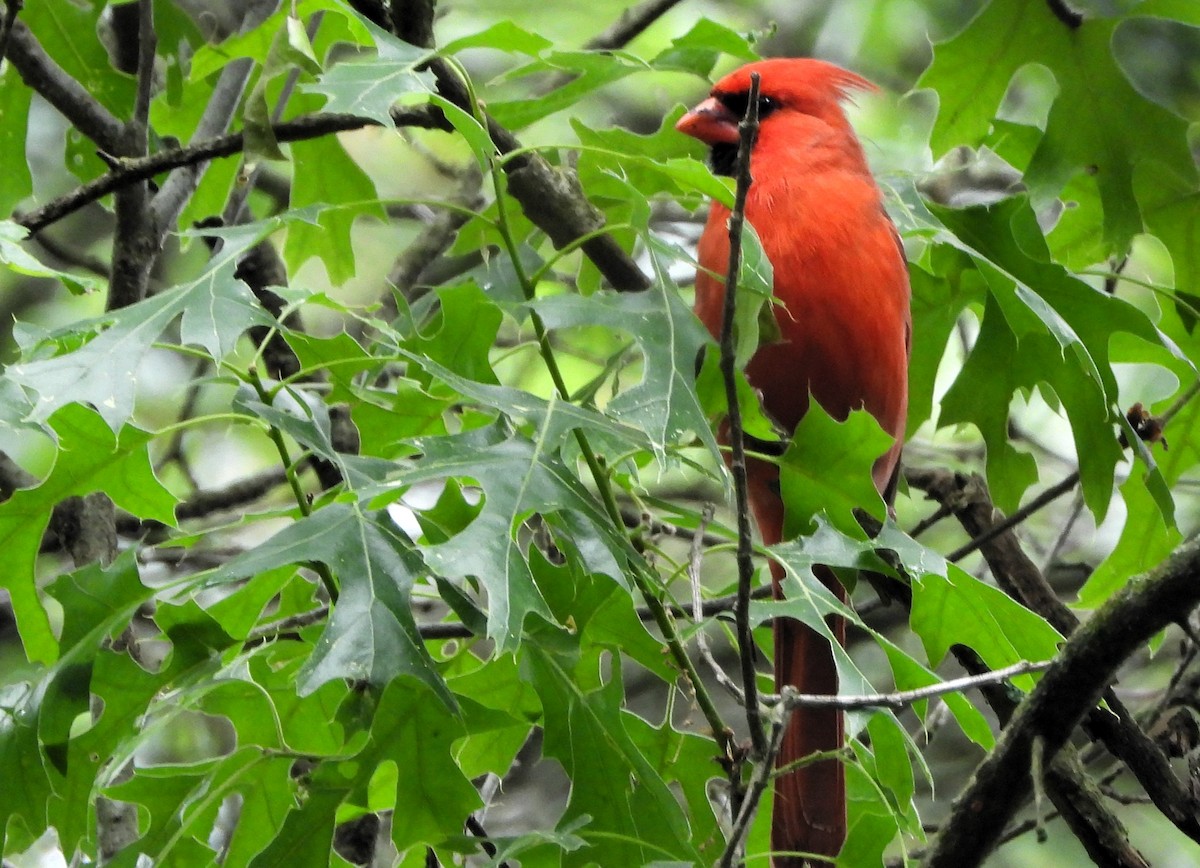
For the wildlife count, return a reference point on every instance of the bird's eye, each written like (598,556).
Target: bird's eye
(738,102)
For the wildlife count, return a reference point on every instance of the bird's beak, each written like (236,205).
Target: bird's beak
(711,123)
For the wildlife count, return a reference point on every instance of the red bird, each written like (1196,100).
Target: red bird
(844,333)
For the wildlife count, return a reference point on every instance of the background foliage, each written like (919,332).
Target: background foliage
(379,564)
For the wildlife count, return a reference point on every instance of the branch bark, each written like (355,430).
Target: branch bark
(1021,579)
(1072,686)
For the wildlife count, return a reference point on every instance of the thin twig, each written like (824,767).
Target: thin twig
(1048,496)
(131,171)
(748,130)
(633,22)
(759,782)
(904,698)
(693,573)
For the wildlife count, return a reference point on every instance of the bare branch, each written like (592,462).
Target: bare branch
(133,170)
(39,71)
(904,698)
(748,131)
(633,21)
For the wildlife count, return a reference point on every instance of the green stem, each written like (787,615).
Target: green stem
(289,469)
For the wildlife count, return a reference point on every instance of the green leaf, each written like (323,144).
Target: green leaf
(911,675)
(216,308)
(462,335)
(90,458)
(325,176)
(588,72)
(663,403)
(17,259)
(417,734)
(635,817)
(16,183)
(519,479)
(697,50)
(67,33)
(827,468)
(939,297)
(959,609)
(972,71)
(1146,538)
(1041,325)
(369,88)
(305,418)
(305,839)
(371,635)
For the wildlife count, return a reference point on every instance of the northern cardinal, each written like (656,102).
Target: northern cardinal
(844,333)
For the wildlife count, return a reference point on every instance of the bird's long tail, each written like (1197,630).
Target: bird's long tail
(810,801)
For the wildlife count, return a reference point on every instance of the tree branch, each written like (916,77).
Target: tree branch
(133,170)
(1068,691)
(748,130)
(632,23)
(904,698)
(39,71)
(1020,578)
(12,8)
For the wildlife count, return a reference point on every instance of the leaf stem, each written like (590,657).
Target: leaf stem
(289,468)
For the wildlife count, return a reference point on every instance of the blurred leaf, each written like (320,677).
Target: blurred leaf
(17,259)
(67,32)
(325,176)
(1080,135)
(697,50)
(16,183)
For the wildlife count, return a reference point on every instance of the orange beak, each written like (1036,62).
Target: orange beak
(710,122)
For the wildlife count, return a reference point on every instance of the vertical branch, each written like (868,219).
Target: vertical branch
(136,241)
(737,442)
(11,9)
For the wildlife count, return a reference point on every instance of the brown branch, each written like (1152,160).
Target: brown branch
(1065,13)
(134,170)
(43,75)
(412,21)
(550,197)
(12,8)
(1020,578)
(748,130)
(136,240)
(632,23)
(1068,691)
